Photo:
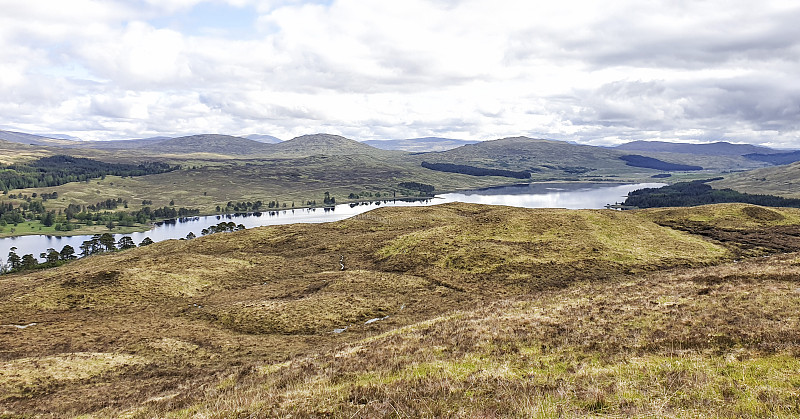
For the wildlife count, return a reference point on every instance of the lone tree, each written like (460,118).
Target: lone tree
(49,219)
(329,200)
(146,241)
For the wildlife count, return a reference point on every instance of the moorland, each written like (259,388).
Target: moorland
(455,310)
(212,174)
(481,310)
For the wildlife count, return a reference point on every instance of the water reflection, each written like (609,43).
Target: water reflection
(571,196)
(540,195)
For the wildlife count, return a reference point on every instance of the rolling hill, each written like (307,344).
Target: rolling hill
(323,144)
(549,158)
(453,310)
(522,153)
(135,143)
(540,157)
(210,143)
(776,158)
(777,180)
(31,139)
(720,148)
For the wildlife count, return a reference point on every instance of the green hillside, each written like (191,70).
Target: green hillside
(778,180)
(548,159)
(479,307)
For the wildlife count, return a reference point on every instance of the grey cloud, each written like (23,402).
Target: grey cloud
(624,40)
(111,108)
(718,108)
(764,104)
(248,110)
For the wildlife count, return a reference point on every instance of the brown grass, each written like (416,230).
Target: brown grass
(688,342)
(491,311)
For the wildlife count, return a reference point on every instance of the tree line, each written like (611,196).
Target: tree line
(687,194)
(61,169)
(223,227)
(93,214)
(636,160)
(416,186)
(475,171)
(99,243)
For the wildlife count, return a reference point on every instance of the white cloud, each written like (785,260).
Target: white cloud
(590,71)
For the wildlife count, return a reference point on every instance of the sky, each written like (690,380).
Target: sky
(594,72)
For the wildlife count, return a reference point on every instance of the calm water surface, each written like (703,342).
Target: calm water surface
(538,195)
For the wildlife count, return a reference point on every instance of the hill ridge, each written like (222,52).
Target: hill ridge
(718,148)
(323,144)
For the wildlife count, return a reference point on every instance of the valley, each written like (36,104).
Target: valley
(230,209)
(449,310)
(215,170)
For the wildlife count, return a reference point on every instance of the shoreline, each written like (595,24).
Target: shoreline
(150,226)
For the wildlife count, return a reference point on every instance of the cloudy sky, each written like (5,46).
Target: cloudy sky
(597,72)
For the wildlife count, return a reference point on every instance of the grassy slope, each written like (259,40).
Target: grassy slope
(490,308)
(14,152)
(549,158)
(778,180)
(707,342)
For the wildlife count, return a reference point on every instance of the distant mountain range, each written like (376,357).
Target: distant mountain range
(419,145)
(523,153)
(262,138)
(776,158)
(561,158)
(516,154)
(720,148)
(24,138)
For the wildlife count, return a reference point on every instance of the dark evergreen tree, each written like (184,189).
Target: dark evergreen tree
(49,219)
(51,256)
(14,261)
(29,262)
(125,242)
(107,242)
(67,253)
